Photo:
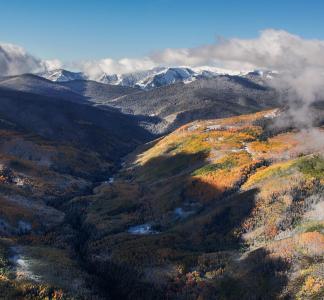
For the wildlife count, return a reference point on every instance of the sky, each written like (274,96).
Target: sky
(89,30)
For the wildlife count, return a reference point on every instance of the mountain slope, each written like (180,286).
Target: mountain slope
(51,150)
(180,103)
(34,84)
(61,75)
(96,92)
(37,175)
(109,132)
(73,90)
(218,209)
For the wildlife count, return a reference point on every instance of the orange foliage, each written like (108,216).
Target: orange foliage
(312,243)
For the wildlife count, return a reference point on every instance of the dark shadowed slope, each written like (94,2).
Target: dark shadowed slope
(108,132)
(37,85)
(75,90)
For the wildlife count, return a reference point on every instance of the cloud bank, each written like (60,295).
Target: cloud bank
(95,68)
(272,49)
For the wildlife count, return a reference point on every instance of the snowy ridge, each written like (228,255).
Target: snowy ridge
(156,77)
(61,75)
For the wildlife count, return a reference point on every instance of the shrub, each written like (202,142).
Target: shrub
(313,166)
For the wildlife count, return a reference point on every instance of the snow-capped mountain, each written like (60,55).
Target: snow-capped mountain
(61,75)
(162,76)
(167,77)
(148,79)
(129,79)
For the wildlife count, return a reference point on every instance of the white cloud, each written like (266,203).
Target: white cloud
(52,64)
(110,66)
(16,60)
(273,49)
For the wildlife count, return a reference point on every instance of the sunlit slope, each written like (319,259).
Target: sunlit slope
(220,209)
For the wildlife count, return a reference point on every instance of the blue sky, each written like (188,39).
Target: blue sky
(72,30)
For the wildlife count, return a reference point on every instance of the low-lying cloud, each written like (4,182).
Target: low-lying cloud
(111,66)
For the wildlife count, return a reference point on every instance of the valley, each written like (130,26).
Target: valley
(162,150)
(216,209)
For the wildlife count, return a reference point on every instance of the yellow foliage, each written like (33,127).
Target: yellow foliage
(311,287)
(264,173)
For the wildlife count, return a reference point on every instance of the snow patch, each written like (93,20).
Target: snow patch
(23,265)
(219,127)
(110,180)
(193,127)
(272,114)
(142,229)
(247,149)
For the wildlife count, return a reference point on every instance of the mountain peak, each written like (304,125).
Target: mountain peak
(62,75)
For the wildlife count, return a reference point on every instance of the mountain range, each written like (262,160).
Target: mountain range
(148,79)
(174,101)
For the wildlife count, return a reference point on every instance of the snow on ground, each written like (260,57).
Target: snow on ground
(272,114)
(110,180)
(23,265)
(247,149)
(19,181)
(193,127)
(218,127)
(142,229)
